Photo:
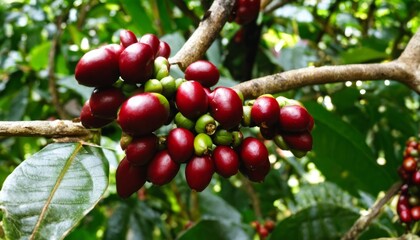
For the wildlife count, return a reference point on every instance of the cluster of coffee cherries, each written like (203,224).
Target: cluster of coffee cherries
(408,205)
(245,11)
(263,229)
(132,85)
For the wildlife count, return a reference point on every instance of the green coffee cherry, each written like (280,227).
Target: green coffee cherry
(298,153)
(125,140)
(161,68)
(202,144)
(279,141)
(246,117)
(237,138)
(223,137)
(179,81)
(205,124)
(184,122)
(241,96)
(168,85)
(153,85)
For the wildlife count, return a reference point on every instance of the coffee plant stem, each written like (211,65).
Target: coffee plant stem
(255,201)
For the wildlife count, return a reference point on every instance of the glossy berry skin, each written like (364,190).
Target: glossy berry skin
(199,172)
(226,161)
(268,133)
(88,120)
(180,144)
(294,118)
(246,11)
(405,216)
(164,49)
(151,40)
(298,141)
(203,72)
(402,203)
(98,68)
(141,150)
(409,164)
(415,213)
(105,102)
(143,113)
(127,38)
(136,63)
(265,111)
(191,99)
(117,49)
(269,225)
(226,107)
(415,178)
(253,153)
(129,179)
(162,169)
(259,173)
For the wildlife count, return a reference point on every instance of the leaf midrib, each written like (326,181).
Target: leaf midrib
(57,184)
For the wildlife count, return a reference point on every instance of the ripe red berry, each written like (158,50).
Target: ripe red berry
(199,172)
(162,169)
(409,164)
(127,38)
(89,121)
(301,141)
(115,48)
(129,179)
(265,111)
(268,133)
(143,113)
(97,68)
(415,213)
(225,106)
(141,150)
(136,63)
(151,40)
(262,232)
(105,102)
(180,144)
(403,203)
(253,153)
(404,175)
(226,161)
(203,72)
(246,11)
(405,216)
(164,50)
(415,178)
(294,118)
(269,225)
(191,99)
(259,173)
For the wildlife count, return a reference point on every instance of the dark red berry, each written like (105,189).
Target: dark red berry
(259,173)
(89,121)
(311,123)
(151,40)
(98,68)
(191,99)
(409,164)
(405,216)
(403,203)
(253,153)
(265,111)
(162,169)
(415,178)
(269,225)
(180,144)
(143,113)
(127,38)
(415,213)
(164,49)
(226,161)
(268,133)
(301,141)
(105,102)
(136,63)
(225,106)
(129,179)
(262,232)
(199,172)
(404,175)
(115,48)
(294,118)
(246,11)
(203,72)
(142,150)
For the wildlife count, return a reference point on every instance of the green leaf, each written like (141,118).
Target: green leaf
(322,221)
(342,155)
(139,16)
(213,206)
(50,192)
(362,54)
(175,41)
(39,56)
(207,229)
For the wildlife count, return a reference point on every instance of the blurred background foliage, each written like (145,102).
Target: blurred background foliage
(360,126)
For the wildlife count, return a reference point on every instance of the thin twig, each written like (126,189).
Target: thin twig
(255,201)
(364,221)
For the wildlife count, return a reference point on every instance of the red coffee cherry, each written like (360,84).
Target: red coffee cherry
(409,164)
(262,232)
(191,99)
(403,203)
(259,173)
(405,216)
(162,169)
(129,179)
(404,175)
(268,133)
(415,213)
(143,113)
(253,153)
(141,150)
(136,63)
(164,50)
(226,161)
(89,121)
(225,106)
(294,118)
(270,225)
(246,11)
(180,144)
(265,111)
(117,49)
(415,178)
(151,40)
(301,141)
(127,38)
(203,72)
(199,172)
(105,102)
(97,68)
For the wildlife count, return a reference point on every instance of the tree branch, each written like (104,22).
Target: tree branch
(364,221)
(204,35)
